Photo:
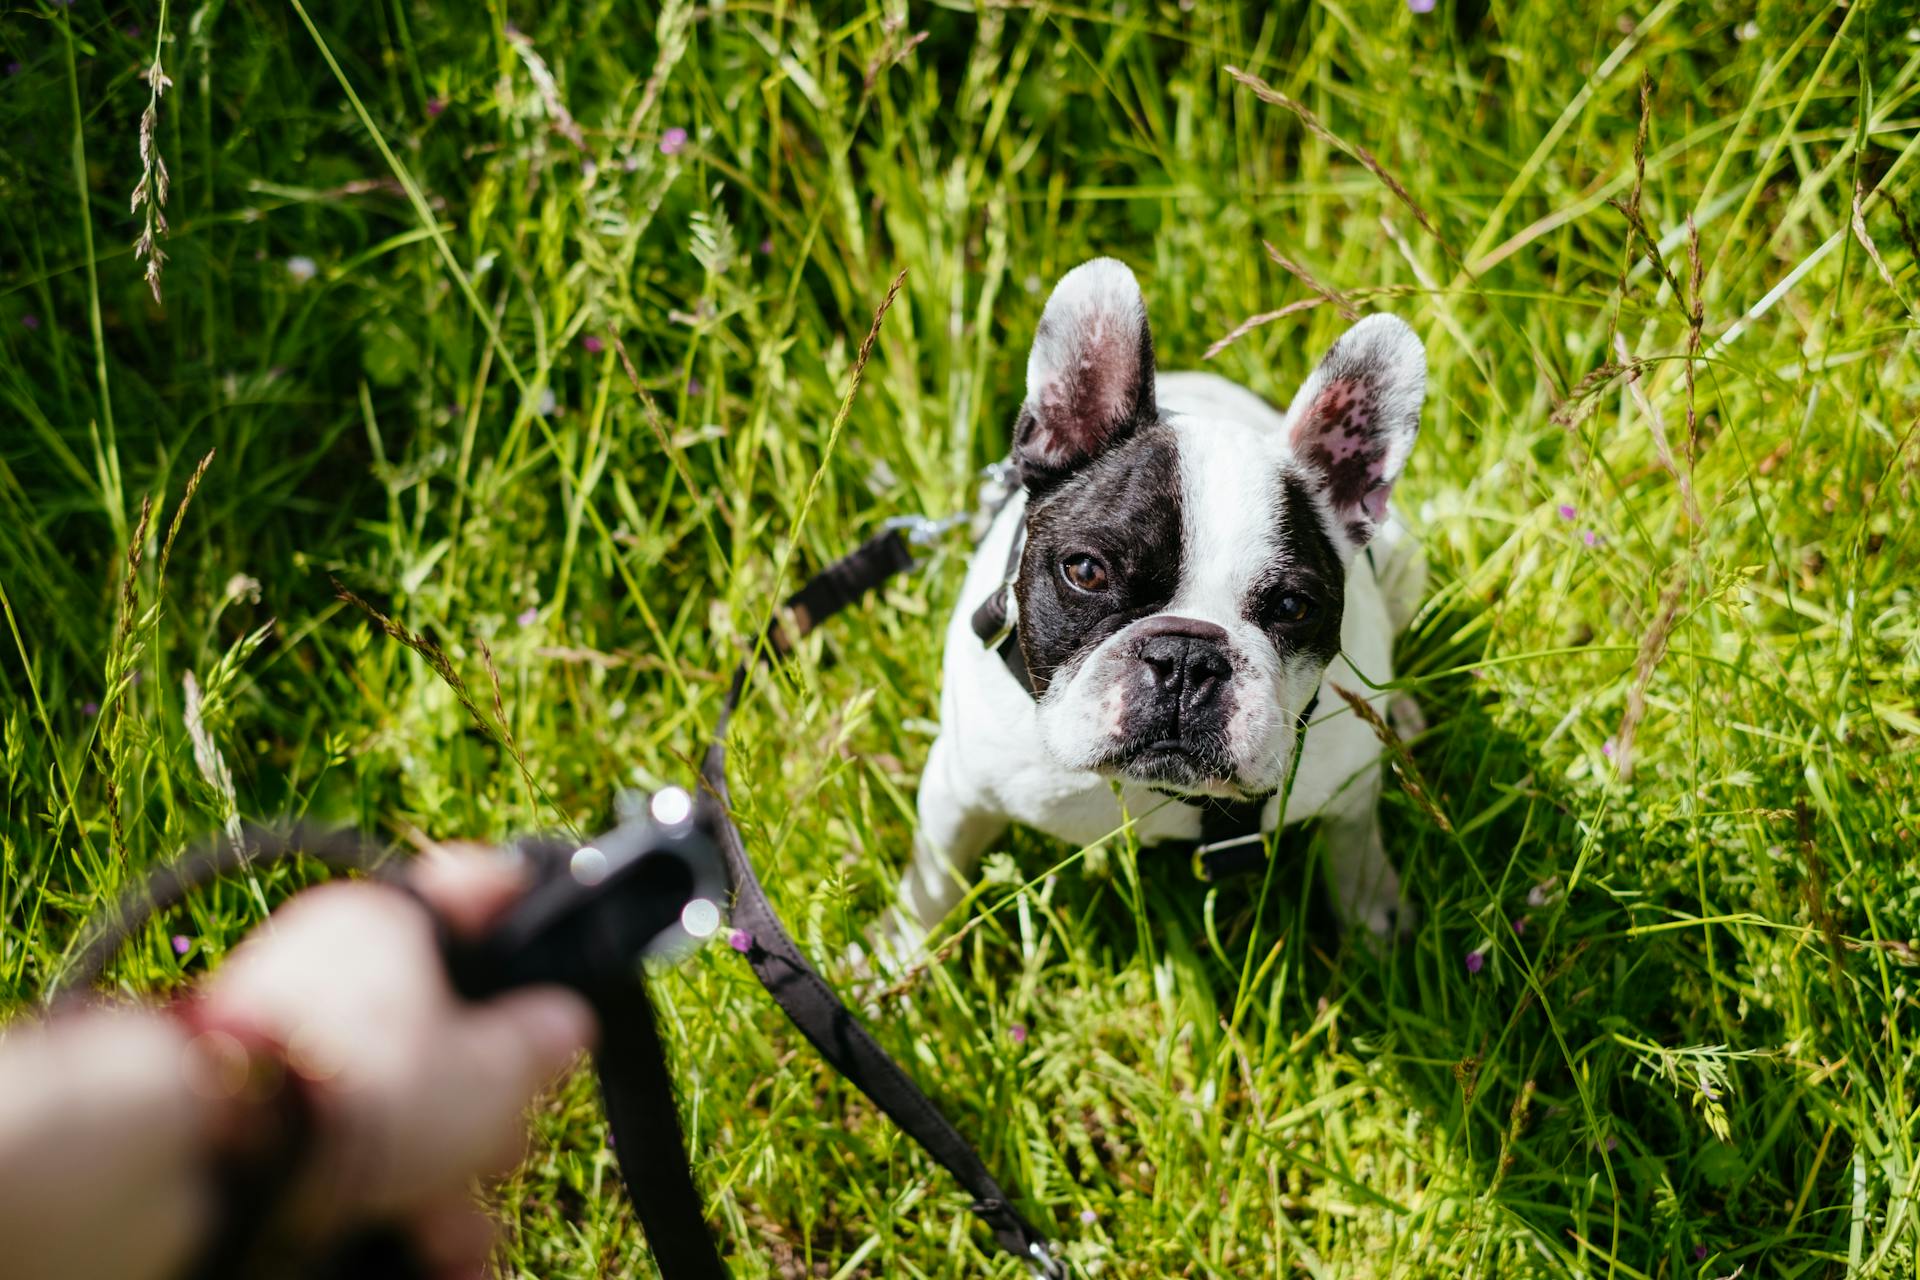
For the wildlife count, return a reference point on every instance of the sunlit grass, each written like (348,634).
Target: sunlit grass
(1670,658)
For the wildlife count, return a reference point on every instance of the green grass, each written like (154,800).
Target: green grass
(1700,1038)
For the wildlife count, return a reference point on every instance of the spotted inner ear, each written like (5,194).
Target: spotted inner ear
(1354,422)
(1090,375)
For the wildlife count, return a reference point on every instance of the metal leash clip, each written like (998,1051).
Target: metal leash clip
(1043,1264)
(923,531)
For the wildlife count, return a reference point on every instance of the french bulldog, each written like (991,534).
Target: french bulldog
(1155,619)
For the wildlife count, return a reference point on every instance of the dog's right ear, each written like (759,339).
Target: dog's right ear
(1090,376)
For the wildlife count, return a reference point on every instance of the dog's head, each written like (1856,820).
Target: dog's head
(1184,574)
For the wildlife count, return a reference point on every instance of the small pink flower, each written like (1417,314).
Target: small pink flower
(1568,511)
(30,320)
(672,141)
(766,247)
(593,345)
(1606,748)
(610,1142)
(740,940)
(528,616)
(1017,1033)
(695,386)
(1589,537)
(435,106)
(1088,1217)
(1476,961)
(1699,1253)
(90,707)
(1520,927)
(1421,6)
(181,944)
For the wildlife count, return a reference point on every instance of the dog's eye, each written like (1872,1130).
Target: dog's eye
(1084,573)
(1293,608)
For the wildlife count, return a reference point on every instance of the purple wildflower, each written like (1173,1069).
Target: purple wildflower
(528,616)
(131,31)
(610,1143)
(695,386)
(1088,1217)
(672,141)
(1606,748)
(631,164)
(435,106)
(1476,961)
(181,944)
(1589,537)
(90,707)
(740,940)
(1017,1033)
(1568,511)
(766,247)
(593,345)
(30,320)
(1421,6)
(1699,1253)
(1520,927)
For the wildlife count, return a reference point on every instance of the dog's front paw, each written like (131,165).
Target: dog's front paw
(1406,717)
(891,948)
(1366,889)
(1385,910)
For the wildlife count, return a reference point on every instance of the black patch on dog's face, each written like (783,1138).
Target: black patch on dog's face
(1123,510)
(1308,567)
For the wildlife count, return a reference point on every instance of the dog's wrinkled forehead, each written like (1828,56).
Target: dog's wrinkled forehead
(1199,513)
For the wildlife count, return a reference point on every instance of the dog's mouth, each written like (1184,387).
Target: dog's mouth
(1175,765)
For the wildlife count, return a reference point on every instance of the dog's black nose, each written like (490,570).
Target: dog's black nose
(1186,670)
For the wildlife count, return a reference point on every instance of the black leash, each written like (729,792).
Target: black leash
(794,984)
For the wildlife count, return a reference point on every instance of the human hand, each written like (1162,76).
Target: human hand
(415,1092)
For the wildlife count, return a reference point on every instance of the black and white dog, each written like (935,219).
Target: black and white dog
(1180,575)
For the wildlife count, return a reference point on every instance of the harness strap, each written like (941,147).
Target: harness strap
(794,984)
(997,621)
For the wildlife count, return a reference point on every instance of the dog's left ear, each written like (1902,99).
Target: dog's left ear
(1353,424)
(1090,376)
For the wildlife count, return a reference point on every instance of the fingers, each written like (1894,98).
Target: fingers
(518,1043)
(468,885)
